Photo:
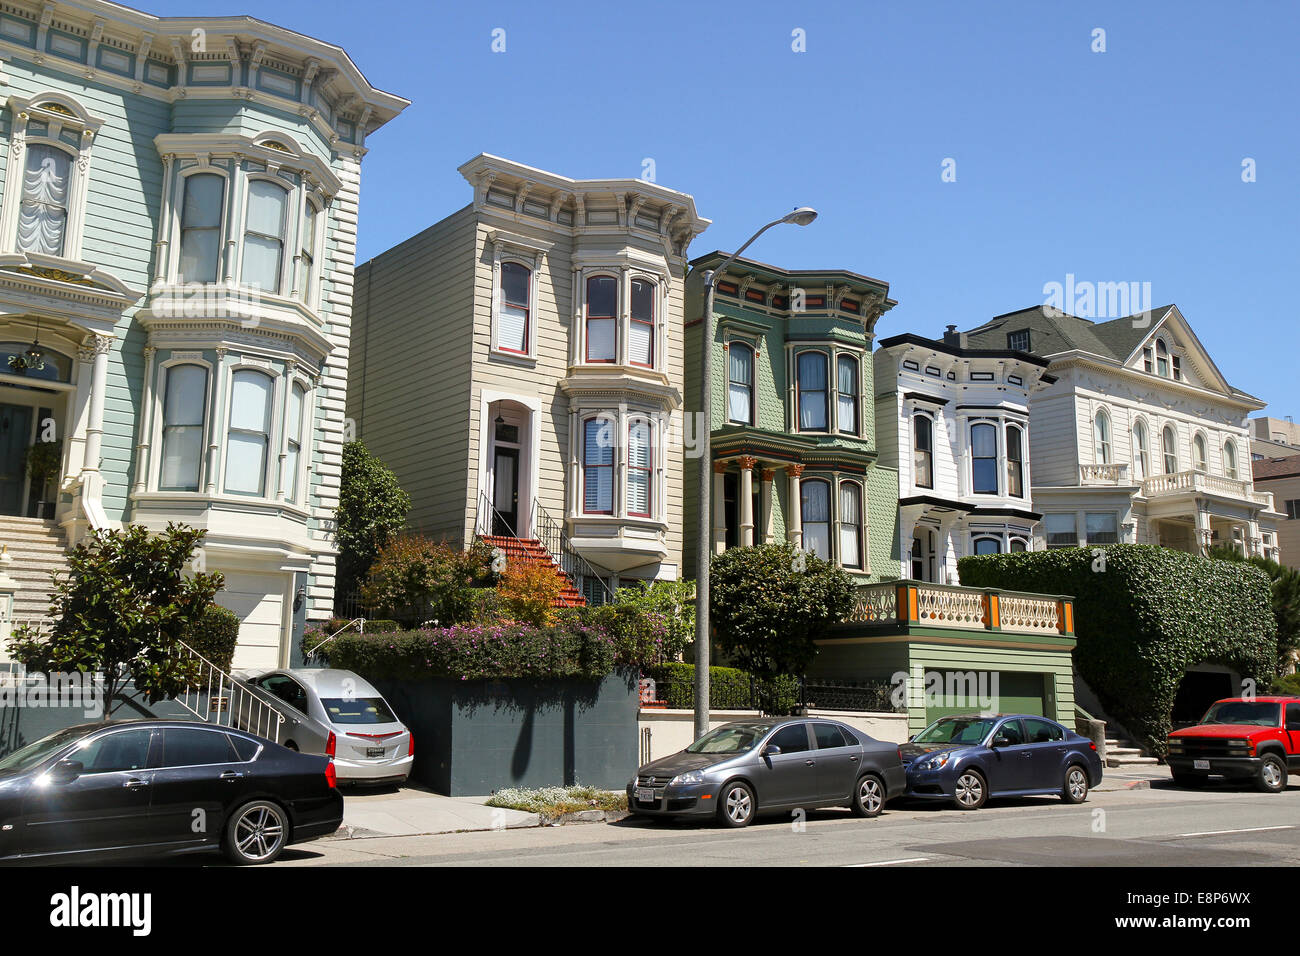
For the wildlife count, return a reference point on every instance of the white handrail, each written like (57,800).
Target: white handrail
(241,707)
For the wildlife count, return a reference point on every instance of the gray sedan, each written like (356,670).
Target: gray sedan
(339,714)
(741,769)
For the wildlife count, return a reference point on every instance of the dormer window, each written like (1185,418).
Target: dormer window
(1162,358)
(1018,341)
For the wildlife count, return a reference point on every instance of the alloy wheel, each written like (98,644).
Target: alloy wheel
(870,795)
(970,790)
(1077,784)
(739,805)
(1272,775)
(259,833)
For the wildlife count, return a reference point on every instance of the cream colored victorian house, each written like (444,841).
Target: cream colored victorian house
(539,334)
(1140,438)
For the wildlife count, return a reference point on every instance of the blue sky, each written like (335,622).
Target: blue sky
(1123,165)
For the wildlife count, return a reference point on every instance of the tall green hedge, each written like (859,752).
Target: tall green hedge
(214,635)
(1143,615)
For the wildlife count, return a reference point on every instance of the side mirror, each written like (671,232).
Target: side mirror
(771,751)
(66,771)
(1001,741)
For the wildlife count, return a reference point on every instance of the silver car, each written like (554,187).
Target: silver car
(339,714)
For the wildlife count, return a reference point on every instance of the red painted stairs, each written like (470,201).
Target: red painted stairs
(530,551)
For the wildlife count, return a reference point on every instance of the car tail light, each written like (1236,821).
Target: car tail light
(1092,745)
(410,745)
(331,745)
(330,776)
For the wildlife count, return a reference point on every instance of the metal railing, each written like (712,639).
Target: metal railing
(358,622)
(216,697)
(555,540)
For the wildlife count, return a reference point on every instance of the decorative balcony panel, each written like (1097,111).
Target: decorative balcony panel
(899,606)
(1112,474)
(941,606)
(1200,483)
(874,604)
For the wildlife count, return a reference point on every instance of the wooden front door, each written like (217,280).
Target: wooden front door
(15,436)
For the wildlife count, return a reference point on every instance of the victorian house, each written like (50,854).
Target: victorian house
(1139,438)
(794,440)
(954,421)
(539,334)
(177,233)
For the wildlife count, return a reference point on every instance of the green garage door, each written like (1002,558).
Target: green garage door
(1012,693)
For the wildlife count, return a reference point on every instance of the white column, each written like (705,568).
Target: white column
(145,424)
(747,501)
(794,534)
(718,510)
(766,501)
(215,425)
(92,483)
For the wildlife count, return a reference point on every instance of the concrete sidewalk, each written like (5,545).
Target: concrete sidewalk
(1141,777)
(411,810)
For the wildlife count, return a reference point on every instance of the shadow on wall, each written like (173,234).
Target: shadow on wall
(22,725)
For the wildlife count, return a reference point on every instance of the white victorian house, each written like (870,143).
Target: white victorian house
(954,419)
(1139,437)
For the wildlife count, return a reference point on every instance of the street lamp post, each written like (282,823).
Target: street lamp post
(704,532)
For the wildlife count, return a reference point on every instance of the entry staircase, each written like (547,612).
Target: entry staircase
(530,551)
(1122,752)
(37,547)
(216,697)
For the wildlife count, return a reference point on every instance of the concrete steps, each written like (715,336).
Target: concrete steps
(1124,753)
(530,551)
(36,549)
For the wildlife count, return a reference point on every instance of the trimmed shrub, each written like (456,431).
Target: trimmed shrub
(1142,616)
(214,635)
(729,689)
(415,580)
(372,508)
(527,593)
(640,637)
(672,602)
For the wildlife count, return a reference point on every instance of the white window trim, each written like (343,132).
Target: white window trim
(157,400)
(751,342)
(913,412)
(292,223)
(176,211)
(863,529)
(619,420)
(531,254)
(270,481)
(292,489)
(623,276)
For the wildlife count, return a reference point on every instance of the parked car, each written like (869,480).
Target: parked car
(1243,739)
(968,759)
(339,714)
(741,769)
(161,787)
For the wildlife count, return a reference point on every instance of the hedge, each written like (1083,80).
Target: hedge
(469,652)
(1142,616)
(729,689)
(214,635)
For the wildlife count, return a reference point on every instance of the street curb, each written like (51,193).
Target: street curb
(585,816)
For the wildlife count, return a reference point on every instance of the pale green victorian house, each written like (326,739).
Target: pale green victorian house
(178,207)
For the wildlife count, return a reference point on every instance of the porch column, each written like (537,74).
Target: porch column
(1203,530)
(96,352)
(766,500)
(145,424)
(747,464)
(794,534)
(719,509)
(215,425)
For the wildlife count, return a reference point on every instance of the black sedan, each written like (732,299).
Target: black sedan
(968,759)
(160,787)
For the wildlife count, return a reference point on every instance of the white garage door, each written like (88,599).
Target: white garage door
(258,599)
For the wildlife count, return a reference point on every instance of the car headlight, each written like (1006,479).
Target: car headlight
(1175,743)
(937,761)
(1238,743)
(685,779)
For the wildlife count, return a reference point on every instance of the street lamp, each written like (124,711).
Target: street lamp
(704,532)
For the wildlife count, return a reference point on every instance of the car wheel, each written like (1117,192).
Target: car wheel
(868,796)
(971,790)
(256,833)
(1190,780)
(1272,774)
(736,805)
(1076,785)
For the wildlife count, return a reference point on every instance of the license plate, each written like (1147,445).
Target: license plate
(645,795)
(1200,765)
(374,751)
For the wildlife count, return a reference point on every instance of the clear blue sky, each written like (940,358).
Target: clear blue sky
(1117,166)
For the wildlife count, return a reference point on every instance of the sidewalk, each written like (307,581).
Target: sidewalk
(411,810)
(1141,777)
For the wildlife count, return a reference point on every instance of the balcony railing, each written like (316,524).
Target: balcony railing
(1198,482)
(1113,474)
(940,605)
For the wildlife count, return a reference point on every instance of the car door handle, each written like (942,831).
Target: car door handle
(853,758)
(231,775)
(810,762)
(135,783)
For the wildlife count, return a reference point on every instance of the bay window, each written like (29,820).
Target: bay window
(602,318)
(847,370)
(984,459)
(1015,463)
(812,392)
(597,467)
(514,315)
(1101,527)
(1062,530)
(641,331)
(43,212)
(293,430)
(248,435)
(923,451)
(987,545)
(740,383)
(205,195)
(640,466)
(184,402)
(851,553)
(264,235)
(815,510)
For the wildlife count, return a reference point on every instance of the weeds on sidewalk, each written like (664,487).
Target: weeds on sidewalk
(553,801)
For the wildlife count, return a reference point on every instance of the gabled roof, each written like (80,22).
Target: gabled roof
(1288,467)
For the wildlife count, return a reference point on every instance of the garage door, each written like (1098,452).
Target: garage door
(967,692)
(259,602)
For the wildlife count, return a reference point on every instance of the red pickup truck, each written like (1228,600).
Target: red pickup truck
(1256,738)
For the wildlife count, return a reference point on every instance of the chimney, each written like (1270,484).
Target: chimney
(953,337)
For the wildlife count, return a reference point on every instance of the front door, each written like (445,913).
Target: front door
(505,493)
(15,436)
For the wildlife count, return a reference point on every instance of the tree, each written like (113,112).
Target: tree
(1286,598)
(372,508)
(121,610)
(769,604)
(416,580)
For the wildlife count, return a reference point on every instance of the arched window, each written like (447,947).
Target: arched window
(923,451)
(1162,358)
(184,404)
(847,371)
(43,211)
(201,227)
(311,218)
(264,235)
(1200,458)
(984,459)
(514,314)
(1018,545)
(1101,435)
(988,546)
(294,431)
(641,330)
(815,513)
(640,467)
(248,437)
(851,524)
(1015,462)
(1170,442)
(812,382)
(602,318)
(597,467)
(740,383)
(1141,466)
(1230,459)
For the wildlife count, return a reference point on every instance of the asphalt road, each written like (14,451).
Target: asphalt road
(1221,825)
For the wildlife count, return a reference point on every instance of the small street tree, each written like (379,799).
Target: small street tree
(372,508)
(769,604)
(120,610)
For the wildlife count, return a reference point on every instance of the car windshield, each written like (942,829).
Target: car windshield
(1242,712)
(35,753)
(956,730)
(359,710)
(734,739)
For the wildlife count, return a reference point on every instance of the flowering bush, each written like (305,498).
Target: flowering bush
(528,592)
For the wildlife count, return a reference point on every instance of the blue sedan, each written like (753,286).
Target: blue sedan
(968,759)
